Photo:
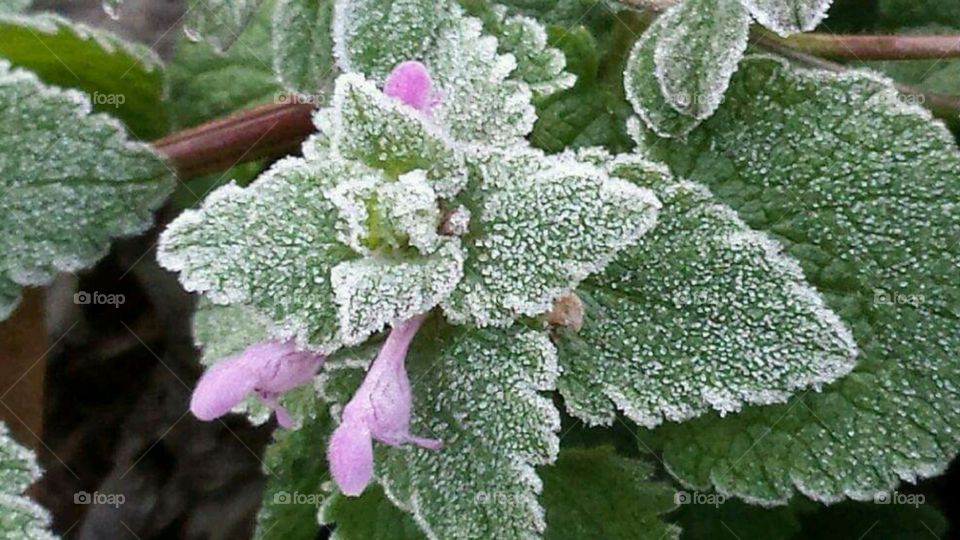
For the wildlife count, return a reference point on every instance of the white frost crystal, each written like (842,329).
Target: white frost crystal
(786,17)
(545,224)
(374,292)
(703,313)
(20,517)
(539,65)
(701,43)
(70,181)
(480,102)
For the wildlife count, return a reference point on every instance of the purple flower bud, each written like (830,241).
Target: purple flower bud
(410,82)
(267,369)
(379,410)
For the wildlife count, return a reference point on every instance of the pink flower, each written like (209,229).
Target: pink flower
(379,410)
(267,369)
(410,82)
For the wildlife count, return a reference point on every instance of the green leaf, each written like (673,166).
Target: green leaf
(594,493)
(538,64)
(644,92)
(480,103)
(296,468)
(303,45)
(218,22)
(386,134)
(373,36)
(701,43)
(862,190)
(541,225)
(702,314)
(376,291)
(787,17)
(271,245)
(20,517)
(123,79)
(371,516)
(479,392)
(70,183)
(205,84)
(593,112)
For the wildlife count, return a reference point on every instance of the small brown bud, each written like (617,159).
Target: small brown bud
(567,311)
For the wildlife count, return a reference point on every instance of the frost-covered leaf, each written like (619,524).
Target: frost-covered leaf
(384,133)
(479,102)
(863,191)
(70,181)
(594,493)
(303,45)
(701,43)
(377,291)
(643,88)
(271,246)
(538,64)
(205,84)
(373,36)
(702,314)
(787,17)
(542,224)
(478,391)
(20,517)
(123,79)
(218,22)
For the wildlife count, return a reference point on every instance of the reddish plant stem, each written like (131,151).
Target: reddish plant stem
(869,47)
(265,131)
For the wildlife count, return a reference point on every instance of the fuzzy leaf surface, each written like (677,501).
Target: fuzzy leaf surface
(124,79)
(543,225)
(70,181)
(862,190)
(701,43)
(787,17)
(20,517)
(702,314)
(218,22)
(303,44)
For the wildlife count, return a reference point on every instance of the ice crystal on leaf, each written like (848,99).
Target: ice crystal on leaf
(302,44)
(861,189)
(680,68)
(786,17)
(20,517)
(702,313)
(700,44)
(480,101)
(543,224)
(80,168)
(478,391)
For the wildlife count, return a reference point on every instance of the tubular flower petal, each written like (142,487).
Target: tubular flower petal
(266,369)
(379,410)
